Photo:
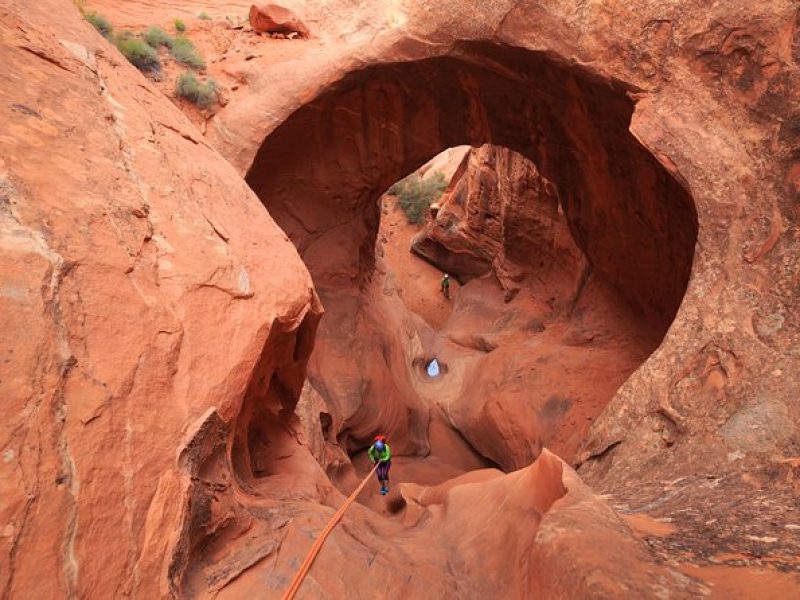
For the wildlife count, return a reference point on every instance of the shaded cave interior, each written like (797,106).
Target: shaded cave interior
(321,175)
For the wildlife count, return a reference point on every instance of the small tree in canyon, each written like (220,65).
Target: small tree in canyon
(415,194)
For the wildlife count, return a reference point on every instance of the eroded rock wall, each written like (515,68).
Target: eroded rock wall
(154,355)
(341,151)
(321,173)
(499,214)
(136,302)
(706,92)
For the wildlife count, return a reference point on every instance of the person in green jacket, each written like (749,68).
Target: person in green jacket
(446,285)
(380,453)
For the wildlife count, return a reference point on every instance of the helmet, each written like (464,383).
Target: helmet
(379,445)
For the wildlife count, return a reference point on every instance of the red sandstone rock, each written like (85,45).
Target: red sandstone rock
(669,150)
(499,214)
(150,446)
(277,20)
(142,324)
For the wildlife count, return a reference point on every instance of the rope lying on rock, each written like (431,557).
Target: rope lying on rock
(312,554)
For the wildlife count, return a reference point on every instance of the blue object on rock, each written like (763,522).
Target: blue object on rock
(433,368)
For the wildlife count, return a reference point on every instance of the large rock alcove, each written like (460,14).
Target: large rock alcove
(633,228)
(181,418)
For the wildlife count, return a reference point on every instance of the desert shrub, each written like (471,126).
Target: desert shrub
(187,86)
(138,52)
(179,25)
(184,52)
(415,195)
(203,94)
(204,16)
(157,37)
(100,23)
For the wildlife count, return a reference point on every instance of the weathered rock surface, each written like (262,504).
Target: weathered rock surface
(272,18)
(626,109)
(158,325)
(446,163)
(499,214)
(141,321)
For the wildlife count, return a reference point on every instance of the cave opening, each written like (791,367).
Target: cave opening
(590,255)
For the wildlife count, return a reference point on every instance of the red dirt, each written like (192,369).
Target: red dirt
(644,525)
(225,41)
(738,583)
(418,280)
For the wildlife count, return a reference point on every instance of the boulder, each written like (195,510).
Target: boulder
(497,213)
(273,18)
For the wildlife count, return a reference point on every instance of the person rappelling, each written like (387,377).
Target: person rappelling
(380,453)
(446,285)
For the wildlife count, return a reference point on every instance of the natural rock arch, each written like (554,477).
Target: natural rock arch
(141,300)
(321,172)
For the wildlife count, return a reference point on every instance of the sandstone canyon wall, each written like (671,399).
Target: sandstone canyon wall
(708,92)
(499,214)
(137,304)
(182,419)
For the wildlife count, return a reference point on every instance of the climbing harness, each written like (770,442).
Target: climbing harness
(312,554)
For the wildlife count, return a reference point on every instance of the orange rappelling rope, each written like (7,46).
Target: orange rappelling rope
(312,554)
